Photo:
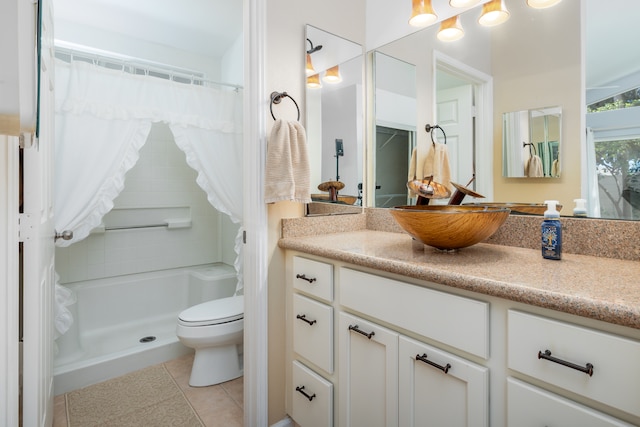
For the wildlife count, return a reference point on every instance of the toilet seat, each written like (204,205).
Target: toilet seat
(215,312)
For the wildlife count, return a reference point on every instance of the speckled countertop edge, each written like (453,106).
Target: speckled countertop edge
(604,289)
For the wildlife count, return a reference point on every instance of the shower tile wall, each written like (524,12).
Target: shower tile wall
(161,178)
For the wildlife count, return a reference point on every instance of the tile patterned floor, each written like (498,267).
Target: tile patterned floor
(217,406)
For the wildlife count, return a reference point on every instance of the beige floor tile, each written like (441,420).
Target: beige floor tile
(218,406)
(235,389)
(180,369)
(59,411)
(230,416)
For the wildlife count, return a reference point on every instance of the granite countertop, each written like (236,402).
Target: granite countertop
(598,288)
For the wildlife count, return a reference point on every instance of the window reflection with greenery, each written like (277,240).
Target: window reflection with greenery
(618,164)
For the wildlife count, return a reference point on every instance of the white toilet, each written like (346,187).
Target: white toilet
(214,329)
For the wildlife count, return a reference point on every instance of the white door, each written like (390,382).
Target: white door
(454,114)
(37,236)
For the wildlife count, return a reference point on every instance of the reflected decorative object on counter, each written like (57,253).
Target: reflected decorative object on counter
(518,208)
(449,226)
(428,188)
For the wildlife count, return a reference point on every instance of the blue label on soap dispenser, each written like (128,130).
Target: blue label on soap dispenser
(551,239)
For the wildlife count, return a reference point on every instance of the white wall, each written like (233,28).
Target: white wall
(284,62)
(160,179)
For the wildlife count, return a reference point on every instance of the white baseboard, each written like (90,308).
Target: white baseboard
(286,422)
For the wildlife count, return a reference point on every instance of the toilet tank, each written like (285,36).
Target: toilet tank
(212,282)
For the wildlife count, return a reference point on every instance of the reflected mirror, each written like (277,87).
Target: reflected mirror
(531,143)
(334,122)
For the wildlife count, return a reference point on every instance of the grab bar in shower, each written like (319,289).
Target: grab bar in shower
(128,227)
(170,223)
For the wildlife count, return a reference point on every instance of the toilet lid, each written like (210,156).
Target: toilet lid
(213,312)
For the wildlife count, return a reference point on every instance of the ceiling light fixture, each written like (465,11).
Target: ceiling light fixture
(309,68)
(450,30)
(313,82)
(422,13)
(542,4)
(493,13)
(332,75)
(463,3)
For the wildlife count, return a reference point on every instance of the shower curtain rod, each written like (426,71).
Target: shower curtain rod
(133,65)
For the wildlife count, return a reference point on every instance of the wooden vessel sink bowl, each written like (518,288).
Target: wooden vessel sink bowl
(450,226)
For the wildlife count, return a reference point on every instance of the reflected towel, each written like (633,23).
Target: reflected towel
(555,168)
(434,163)
(287,175)
(533,168)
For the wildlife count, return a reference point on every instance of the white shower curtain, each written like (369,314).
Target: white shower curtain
(103,118)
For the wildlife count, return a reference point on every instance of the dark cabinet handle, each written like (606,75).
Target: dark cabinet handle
(424,359)
(303,277)
(303,317)
(355,328)
(587,369)
(300,389)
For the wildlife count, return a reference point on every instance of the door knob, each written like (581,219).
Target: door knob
(65,235)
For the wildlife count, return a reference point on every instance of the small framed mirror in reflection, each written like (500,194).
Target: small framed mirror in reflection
(531,141)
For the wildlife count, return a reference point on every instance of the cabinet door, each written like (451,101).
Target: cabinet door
(437,388)
(529,406)
(312,400)
(368,374)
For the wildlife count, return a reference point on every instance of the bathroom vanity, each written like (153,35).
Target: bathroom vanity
(384,332)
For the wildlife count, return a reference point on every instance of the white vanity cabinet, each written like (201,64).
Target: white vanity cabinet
(435,387)
(311,326)
(599,366)
(530,406)
(413,353)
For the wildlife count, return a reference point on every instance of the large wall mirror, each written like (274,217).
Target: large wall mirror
(535,59)
(334,122)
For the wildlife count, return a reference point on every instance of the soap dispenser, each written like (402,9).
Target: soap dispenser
(580,209)
(551,232)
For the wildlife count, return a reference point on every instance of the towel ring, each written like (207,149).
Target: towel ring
(276,97)
(531,145)
(431,128)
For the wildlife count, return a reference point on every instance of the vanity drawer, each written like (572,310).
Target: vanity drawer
(616,371)
(450,319)
(313,277)
(529,406)
(313,331)
(312,401)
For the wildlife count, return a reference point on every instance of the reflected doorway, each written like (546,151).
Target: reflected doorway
(464,109)
(393,153)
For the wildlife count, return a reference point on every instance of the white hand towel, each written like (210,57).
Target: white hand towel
(287,174)
(533,167)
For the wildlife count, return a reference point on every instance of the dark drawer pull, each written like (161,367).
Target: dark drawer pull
(424,359)
(587,369)
(303,277)
(301,390)
(355,328)
(303,317)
